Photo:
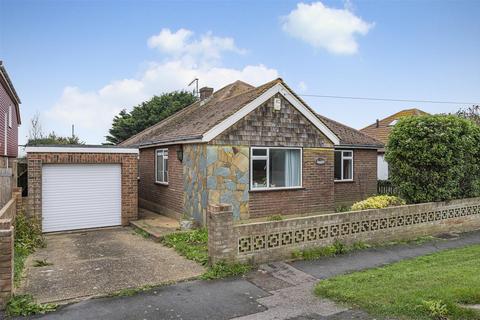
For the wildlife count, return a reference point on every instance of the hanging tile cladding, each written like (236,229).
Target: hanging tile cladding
(267,127)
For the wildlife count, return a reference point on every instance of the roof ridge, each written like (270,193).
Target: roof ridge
(351,128)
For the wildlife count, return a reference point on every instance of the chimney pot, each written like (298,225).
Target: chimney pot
(378,123)
(205,92)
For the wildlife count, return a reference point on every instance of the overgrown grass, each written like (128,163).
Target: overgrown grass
(337,248)
(224,270)
(24,305)
(142,233)
(28,237)
(191,244)
(275,217)
(429,287)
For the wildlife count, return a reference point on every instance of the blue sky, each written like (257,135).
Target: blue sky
(82,61)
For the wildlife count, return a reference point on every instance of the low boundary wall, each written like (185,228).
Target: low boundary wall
(275,240)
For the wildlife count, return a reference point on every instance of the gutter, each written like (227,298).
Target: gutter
(197,139)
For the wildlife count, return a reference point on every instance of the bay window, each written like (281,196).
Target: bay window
(343,165)
(275,168)
(161,166)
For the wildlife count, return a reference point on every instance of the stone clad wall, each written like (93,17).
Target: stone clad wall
(194,182)
(228,177)
(275,240)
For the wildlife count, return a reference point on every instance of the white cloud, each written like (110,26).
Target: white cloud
(186,58)
(326,28)
(206,49)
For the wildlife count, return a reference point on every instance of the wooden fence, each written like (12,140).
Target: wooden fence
(6,185)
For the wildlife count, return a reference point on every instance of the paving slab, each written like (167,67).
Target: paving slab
(155,224)
(101,262)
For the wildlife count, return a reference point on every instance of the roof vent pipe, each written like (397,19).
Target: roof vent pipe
(205,93)
(378,123)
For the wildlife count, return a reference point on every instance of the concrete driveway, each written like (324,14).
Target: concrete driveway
(101,262)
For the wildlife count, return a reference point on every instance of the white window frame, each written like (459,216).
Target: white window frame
(10,116)
(165,160)
(267,158)
(341,165)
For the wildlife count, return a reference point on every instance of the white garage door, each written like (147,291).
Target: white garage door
(79,196)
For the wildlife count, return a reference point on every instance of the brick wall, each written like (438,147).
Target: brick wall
(129,177)
(7,219)
(364,182)
(315,196)
(165,199)
(275,240)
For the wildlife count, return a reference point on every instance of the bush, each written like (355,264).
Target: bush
(378,202)
(434,158)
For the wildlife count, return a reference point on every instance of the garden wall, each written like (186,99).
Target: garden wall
(7,219)
(275,240)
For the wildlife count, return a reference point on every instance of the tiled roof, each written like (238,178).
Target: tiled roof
(349,136)
(194,121)
(382,130)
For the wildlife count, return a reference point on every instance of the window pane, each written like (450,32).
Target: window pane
(160,168)
(347,153)
(259,173)
(259,152)
(338,165)
(277,168)
(165,179)
(347,169)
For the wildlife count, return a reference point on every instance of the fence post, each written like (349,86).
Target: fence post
(221,240)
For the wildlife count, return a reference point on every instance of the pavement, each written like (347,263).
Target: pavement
(156,225)
(100,262)
(275,291)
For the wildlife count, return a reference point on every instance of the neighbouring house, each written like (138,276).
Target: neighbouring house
(9,119)
(380,131)
(261,149)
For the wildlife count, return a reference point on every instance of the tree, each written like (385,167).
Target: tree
(472,113)
(434,158)
(37,137)
(146,114)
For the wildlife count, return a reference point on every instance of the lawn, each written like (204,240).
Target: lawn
(193,245)
(429,287)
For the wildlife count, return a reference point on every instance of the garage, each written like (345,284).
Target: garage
(82,187)
(80,196)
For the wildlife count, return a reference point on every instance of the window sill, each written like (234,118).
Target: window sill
(343,181)
(276,189)
(161,183)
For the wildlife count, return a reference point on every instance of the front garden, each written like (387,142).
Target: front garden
(440,286)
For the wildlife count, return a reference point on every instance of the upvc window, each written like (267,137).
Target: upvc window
(161,166)
(343,165)
(275,168)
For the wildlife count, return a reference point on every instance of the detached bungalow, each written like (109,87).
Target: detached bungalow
(261,149)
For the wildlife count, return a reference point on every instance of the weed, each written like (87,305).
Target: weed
(276,217)
(42,263)
(223,270)
(24,305)
(191,244)
(436,309)
(142,233)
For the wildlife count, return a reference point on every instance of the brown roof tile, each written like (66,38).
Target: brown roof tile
(382,131)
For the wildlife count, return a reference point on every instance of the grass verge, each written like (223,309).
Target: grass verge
(194,246)
(337,248)
(429,287)
(24,305)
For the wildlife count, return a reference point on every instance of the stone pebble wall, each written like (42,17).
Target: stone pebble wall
(228,177)
(269,241)
(194,182)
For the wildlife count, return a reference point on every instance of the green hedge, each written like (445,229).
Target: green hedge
(434,158)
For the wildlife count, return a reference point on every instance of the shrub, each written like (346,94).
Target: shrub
(378,202)
(434,158)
